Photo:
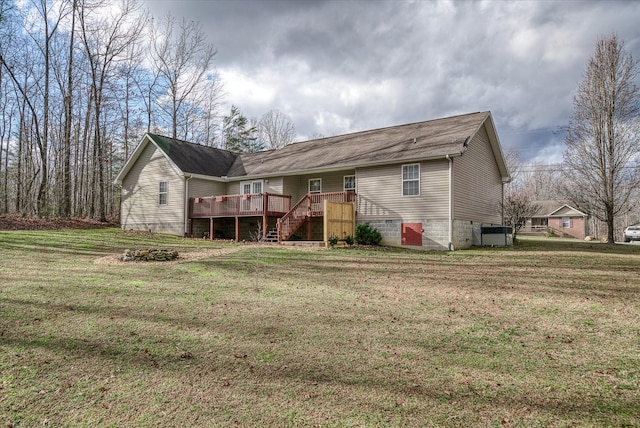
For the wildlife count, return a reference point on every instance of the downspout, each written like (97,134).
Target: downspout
(450,202)
(186,205)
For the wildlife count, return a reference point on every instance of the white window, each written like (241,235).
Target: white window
(249,187)
(349,183)
(566,222)
(411,180)
(163,193)
(315,185)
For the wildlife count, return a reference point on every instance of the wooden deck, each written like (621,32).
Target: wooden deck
(265,205)
(257,204)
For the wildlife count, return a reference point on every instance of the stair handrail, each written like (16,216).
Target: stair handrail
(284,221)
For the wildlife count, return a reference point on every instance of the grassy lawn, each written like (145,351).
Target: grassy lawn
(545,334)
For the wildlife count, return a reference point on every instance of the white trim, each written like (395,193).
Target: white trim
(186,205)
(580,213)
(450,203)
(409,180)
(354,182)
(251,184)
(165,193)
(309,185)
(136,154)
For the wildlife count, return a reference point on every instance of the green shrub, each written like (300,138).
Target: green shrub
(349,240)
(333,240)
(367,235)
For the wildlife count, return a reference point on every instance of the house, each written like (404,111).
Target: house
(558,218)
(425,185)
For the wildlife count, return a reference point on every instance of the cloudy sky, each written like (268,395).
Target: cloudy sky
(342,66)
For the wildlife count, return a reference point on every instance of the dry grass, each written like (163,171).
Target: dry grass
(544,334)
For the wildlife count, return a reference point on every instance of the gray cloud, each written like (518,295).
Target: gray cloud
(344,66)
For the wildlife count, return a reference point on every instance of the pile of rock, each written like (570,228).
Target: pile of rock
(151,255)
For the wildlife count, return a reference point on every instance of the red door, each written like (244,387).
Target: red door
(412,234)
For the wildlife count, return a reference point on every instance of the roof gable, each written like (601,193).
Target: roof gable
(557,208)
(567,211)
(184,157)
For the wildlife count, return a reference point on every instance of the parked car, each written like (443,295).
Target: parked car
(632,233)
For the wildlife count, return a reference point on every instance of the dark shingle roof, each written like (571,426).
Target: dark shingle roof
(416,141)
(422,140)
(194,158)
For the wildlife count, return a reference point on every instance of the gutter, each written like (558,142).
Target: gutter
(450,202)
(186,205)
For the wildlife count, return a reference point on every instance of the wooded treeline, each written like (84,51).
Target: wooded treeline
(81,81)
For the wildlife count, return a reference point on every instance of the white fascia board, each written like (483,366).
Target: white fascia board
(496,147)
(136,154)
(132,159)
(205,177)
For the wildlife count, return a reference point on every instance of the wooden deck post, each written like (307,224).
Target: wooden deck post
(237,229)
(265,224)
(265,206)
(211,228)
(309,217)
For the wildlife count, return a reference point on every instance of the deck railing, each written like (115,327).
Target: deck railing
(239,205)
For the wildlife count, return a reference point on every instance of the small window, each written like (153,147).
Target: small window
(163,192)
(349,183)
(411,180)
(315,185)
(566,222)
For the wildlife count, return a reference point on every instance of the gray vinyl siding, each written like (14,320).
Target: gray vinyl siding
(199,188)
(140,208)
(380,193)
(477,184)
(290,187)
(274,185)
(298,186)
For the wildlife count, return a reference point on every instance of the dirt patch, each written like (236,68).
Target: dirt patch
(15,222)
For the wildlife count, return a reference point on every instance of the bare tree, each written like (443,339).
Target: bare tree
(517,207)
(105,40)
(32,78)
(542,181)
(602,155)
(65,206)
(276,130)
(183,59)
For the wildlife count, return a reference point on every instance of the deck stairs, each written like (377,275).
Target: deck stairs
(291,221)
(272,236)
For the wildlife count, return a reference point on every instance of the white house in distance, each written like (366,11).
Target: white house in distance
(425,185)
